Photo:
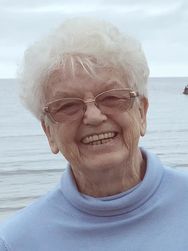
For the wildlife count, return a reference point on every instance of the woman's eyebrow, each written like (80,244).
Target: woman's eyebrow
(113,84)
(107,86)
(63,94)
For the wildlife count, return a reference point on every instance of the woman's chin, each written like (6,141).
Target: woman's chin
(105,161)
(102,155)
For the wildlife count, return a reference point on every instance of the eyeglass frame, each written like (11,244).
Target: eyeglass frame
(133,95)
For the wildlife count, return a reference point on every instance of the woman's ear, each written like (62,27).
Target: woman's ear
(143,107)
(48,129)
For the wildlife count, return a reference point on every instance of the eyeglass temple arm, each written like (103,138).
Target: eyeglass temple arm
(134,94)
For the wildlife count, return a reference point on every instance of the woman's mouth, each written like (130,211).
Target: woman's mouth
(98,139)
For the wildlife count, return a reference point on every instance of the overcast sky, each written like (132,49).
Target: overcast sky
(160,25)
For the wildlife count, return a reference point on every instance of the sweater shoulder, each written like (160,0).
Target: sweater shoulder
(177,174)
(3,245)
(27,219)
(175,180)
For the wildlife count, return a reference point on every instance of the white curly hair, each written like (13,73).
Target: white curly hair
(87,42)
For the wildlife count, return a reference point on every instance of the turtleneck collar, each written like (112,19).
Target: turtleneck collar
(120,203)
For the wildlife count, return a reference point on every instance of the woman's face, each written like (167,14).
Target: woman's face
(77,140)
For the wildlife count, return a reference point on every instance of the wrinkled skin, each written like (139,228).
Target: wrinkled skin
(105,169)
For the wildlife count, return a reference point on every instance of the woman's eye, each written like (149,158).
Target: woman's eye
(68,107)
(109,99)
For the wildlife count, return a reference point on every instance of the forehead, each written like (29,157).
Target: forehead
(82,82)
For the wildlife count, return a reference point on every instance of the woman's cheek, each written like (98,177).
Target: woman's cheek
(131,134)
(70,151)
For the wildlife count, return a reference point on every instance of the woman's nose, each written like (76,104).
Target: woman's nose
(93,115)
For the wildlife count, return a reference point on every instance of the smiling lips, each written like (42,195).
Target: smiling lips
(98,139)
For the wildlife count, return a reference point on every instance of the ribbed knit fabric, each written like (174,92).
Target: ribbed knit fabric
(152,216)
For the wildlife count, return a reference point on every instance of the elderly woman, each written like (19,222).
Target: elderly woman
(87,84)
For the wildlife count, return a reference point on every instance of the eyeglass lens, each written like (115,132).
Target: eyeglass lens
(108,102)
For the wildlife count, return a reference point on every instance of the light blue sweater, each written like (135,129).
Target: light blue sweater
(153,216)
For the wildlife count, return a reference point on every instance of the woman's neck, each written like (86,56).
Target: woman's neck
(114,180)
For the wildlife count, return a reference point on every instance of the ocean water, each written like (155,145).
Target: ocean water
(28,169)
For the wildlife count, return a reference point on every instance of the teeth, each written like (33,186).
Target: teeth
(98,138)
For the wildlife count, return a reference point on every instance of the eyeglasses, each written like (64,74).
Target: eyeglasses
(109,102)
